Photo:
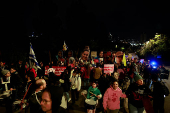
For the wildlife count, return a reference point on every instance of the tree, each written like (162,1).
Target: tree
(159,45)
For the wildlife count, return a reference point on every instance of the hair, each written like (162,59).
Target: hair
(14,68)
(114,80)
(39,83)
(154,77)
(55,94)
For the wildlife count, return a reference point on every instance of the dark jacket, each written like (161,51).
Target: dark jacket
(34,102)
(135,94)
(15,80)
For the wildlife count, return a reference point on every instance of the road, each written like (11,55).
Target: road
(167,99)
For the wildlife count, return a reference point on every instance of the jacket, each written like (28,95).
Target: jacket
(76,82)
(111,98)
(92,92)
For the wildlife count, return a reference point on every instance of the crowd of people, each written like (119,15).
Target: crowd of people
(132,82)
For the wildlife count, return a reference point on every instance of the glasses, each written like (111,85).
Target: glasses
(45,101)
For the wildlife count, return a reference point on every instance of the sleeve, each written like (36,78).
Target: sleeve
(99,94)
(123,95)
(79,84)
(105,99)
(88,94)
(71,74)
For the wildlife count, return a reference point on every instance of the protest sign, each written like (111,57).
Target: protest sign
(108,68)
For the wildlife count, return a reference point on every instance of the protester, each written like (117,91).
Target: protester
(51,100)
(29,84)
(7,90)
(66,85)
(97,72)
(41,72)
(158,95)
(34,99)
(16,82)
(93,94)
(75,86)
(104,82)
(86,76)
(135,92)
(111,98)
(85,56)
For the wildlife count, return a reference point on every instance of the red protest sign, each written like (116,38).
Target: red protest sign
(58,70)
(108,68)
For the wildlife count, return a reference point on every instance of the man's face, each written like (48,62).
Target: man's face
(46,102)
(85,55)
(140,82)
(101,54)
(12,70)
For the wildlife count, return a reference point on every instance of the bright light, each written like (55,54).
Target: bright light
(147,42)
(154,67)
(153,63)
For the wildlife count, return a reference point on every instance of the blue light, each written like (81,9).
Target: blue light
(153,63)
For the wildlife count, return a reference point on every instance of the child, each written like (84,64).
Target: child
(93,94)
(111,99)
(75,86)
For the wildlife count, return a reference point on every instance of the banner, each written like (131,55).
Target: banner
(58,70)
(108,68)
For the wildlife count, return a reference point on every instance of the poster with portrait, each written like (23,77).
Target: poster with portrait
(93,54)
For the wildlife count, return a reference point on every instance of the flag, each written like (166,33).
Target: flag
(124,59)
(64,47)
(32,56)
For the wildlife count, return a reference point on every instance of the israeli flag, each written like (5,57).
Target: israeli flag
(32,56)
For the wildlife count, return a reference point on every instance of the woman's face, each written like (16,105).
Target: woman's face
(115,85)
(46,102)
(85,55)
(140,82)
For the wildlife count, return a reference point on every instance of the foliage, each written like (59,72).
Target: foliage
(159,45)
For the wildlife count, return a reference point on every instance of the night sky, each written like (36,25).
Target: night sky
(70,20)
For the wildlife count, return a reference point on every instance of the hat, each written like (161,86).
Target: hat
(4,72)
(119,53)
(137,77)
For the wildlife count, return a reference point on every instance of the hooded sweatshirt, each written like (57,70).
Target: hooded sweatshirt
(111,98)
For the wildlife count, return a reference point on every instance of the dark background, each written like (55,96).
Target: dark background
(77,22)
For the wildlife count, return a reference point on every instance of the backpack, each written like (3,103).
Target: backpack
(165,89)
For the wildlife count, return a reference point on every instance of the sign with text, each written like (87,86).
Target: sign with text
(58,70)
(108,68)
